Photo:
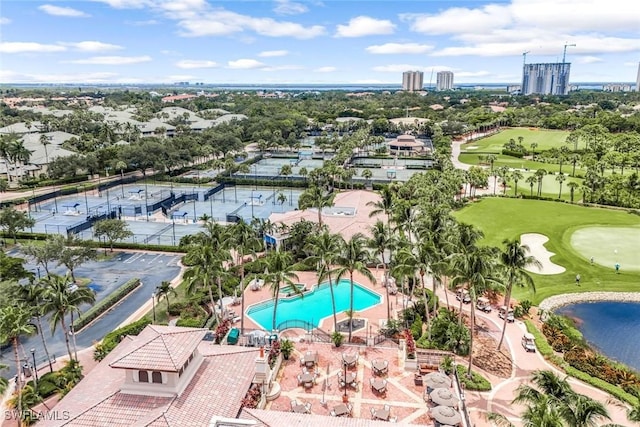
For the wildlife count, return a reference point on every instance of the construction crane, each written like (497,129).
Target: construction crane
(524,57)
(564,52)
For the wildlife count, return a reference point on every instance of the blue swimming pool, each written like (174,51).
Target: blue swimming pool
(314,306)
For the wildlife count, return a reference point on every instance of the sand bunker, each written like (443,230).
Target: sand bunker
(536,243)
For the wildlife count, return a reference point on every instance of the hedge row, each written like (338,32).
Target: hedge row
(104,305)
(112,339)
(614,390)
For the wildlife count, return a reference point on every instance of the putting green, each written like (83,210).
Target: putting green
(609,245)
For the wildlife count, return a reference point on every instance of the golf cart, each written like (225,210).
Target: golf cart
(529,342)
(484,304)
(463,295)
(507,313)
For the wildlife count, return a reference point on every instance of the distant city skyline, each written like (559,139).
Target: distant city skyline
(312,41)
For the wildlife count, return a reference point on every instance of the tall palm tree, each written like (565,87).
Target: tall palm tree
(531,180)
(384,205)
(417,258)
(380,242)
(353,258)
(552,395)
(324,249)
(560,179)
(513,262)
(473,268)
(517,176)
(31,294)
(15,322)
(61,300)
(44,140)
(206,270)
(165,289)
(245,241)
(280,272)
(316,197)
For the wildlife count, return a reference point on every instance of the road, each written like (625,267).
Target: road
(152,268)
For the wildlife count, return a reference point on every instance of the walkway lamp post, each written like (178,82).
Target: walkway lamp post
(153,302)
(35,368)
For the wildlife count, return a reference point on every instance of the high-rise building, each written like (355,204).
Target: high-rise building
(412,80)
(546,79)
(638,79)
(444,80)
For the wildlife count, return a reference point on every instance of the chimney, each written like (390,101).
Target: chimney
(262,367)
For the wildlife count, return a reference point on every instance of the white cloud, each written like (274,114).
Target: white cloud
(397,68)
(62,11)
(112,60)
(189,64)
(143,23)
(539,26)
(589,59)
(472,73)
(93,46)
(7,76)
(272,53)
(4,21)
(29,47)
(245,64)
(365,26)
(325,70)
(286,7)
(399,48)
(282,67)
(127,4)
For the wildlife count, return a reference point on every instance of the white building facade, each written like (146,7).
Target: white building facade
(444,80)
(546,79)
(412,81)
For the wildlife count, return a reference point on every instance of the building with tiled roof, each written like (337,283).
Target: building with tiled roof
(165,376)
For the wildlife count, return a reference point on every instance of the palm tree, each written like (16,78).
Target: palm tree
(44,140)
(73,257)
(324,249)
(551,397)
(384,205)
(560,179)
(380,242)
(207,267)
(15,322)
(165,289)
(280,272)
(31,294)
(60,300)
(367,174)
(531,180)
(516,175)
(514,261)
(353,258)
(491,158)
(539,174)
(316,197)
(245,241)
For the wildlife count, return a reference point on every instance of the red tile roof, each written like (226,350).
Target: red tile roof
(160,348)
(217,388)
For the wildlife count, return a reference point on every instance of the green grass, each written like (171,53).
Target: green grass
(545,139)
(502,218)
(614,245)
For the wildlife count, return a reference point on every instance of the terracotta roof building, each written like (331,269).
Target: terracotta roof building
(165,376)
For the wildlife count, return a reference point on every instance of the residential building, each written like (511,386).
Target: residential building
(412,81)
(638,79)
(444,80)
(546,79)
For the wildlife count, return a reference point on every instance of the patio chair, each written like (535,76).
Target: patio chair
(393,419)
(294,403)
(349,408)
(315,378)
(307,407)
(299,379)
(308,385)
(373,413)
(332,413)
(386,407)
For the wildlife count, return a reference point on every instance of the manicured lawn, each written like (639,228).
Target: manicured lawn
(501,218)
(543,137)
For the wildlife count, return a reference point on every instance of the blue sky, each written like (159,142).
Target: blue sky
(328,41)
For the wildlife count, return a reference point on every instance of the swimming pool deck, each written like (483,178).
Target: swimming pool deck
(373,315)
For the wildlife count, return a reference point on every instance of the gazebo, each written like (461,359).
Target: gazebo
(407,145)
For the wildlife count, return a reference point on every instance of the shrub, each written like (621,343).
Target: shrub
(511,153)
(410,343)
(476,382)
(190,322)
(416,327)
(176,308)
(111,340)
(222,329)
(274,352)
(104,305)
(337,338)
(541,342)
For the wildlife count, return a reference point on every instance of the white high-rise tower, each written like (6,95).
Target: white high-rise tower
(412,80)
(444,80)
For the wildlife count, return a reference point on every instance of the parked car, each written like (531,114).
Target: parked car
(506,312)
(463,295)
(484,304)
(529,342)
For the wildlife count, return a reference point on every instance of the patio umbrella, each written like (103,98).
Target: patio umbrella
(443,396)
(446,415)
(437,380)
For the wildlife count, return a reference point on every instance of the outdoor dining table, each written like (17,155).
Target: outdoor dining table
(310,358)
(382,414)
(380,366)
(341,410)
(350,378)
(350,359)
(307,379)
(379,385)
